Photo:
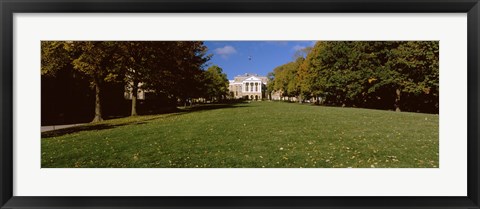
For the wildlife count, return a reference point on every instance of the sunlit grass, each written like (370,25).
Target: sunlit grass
(254,135)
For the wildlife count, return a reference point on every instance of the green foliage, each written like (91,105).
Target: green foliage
(216,83)
(95,59)
(285,78)
(54,56)
(270,83)
(375,74)
(173,69)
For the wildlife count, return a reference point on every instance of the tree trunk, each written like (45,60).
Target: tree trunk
(134,98)
(98,104)
(397,100)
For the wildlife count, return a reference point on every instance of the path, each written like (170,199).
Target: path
(56,127)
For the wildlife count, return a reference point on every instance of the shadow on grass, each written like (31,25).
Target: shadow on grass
(88,127)
(205,107)
(106,125)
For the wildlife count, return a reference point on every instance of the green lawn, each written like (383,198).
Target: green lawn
(254,135)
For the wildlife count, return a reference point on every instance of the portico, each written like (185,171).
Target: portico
(250,86)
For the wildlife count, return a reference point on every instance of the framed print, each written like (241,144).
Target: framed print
(239,104)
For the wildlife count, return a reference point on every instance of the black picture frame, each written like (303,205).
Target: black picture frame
(9,7)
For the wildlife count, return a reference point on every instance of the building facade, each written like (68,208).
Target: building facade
(248,86)
(140,95)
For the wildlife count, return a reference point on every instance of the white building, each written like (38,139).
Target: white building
(248,86)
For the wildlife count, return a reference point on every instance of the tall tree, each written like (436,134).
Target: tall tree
(177,69)
(94,59)
(312,81)
(270,84)
(416,67)
(379,74)
(138,59)
(216,83)
(286,80)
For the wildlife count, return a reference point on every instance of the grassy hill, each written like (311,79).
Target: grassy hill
(254,135)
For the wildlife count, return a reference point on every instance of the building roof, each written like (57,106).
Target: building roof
(248,77)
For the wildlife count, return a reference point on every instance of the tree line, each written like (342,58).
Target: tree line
(170,69)
(398,75)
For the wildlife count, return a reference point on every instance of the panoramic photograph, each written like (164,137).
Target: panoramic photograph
(240,104)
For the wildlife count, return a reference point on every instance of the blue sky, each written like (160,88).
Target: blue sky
(260,57)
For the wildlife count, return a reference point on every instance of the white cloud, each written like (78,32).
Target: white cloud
(298,47)
(225,51)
